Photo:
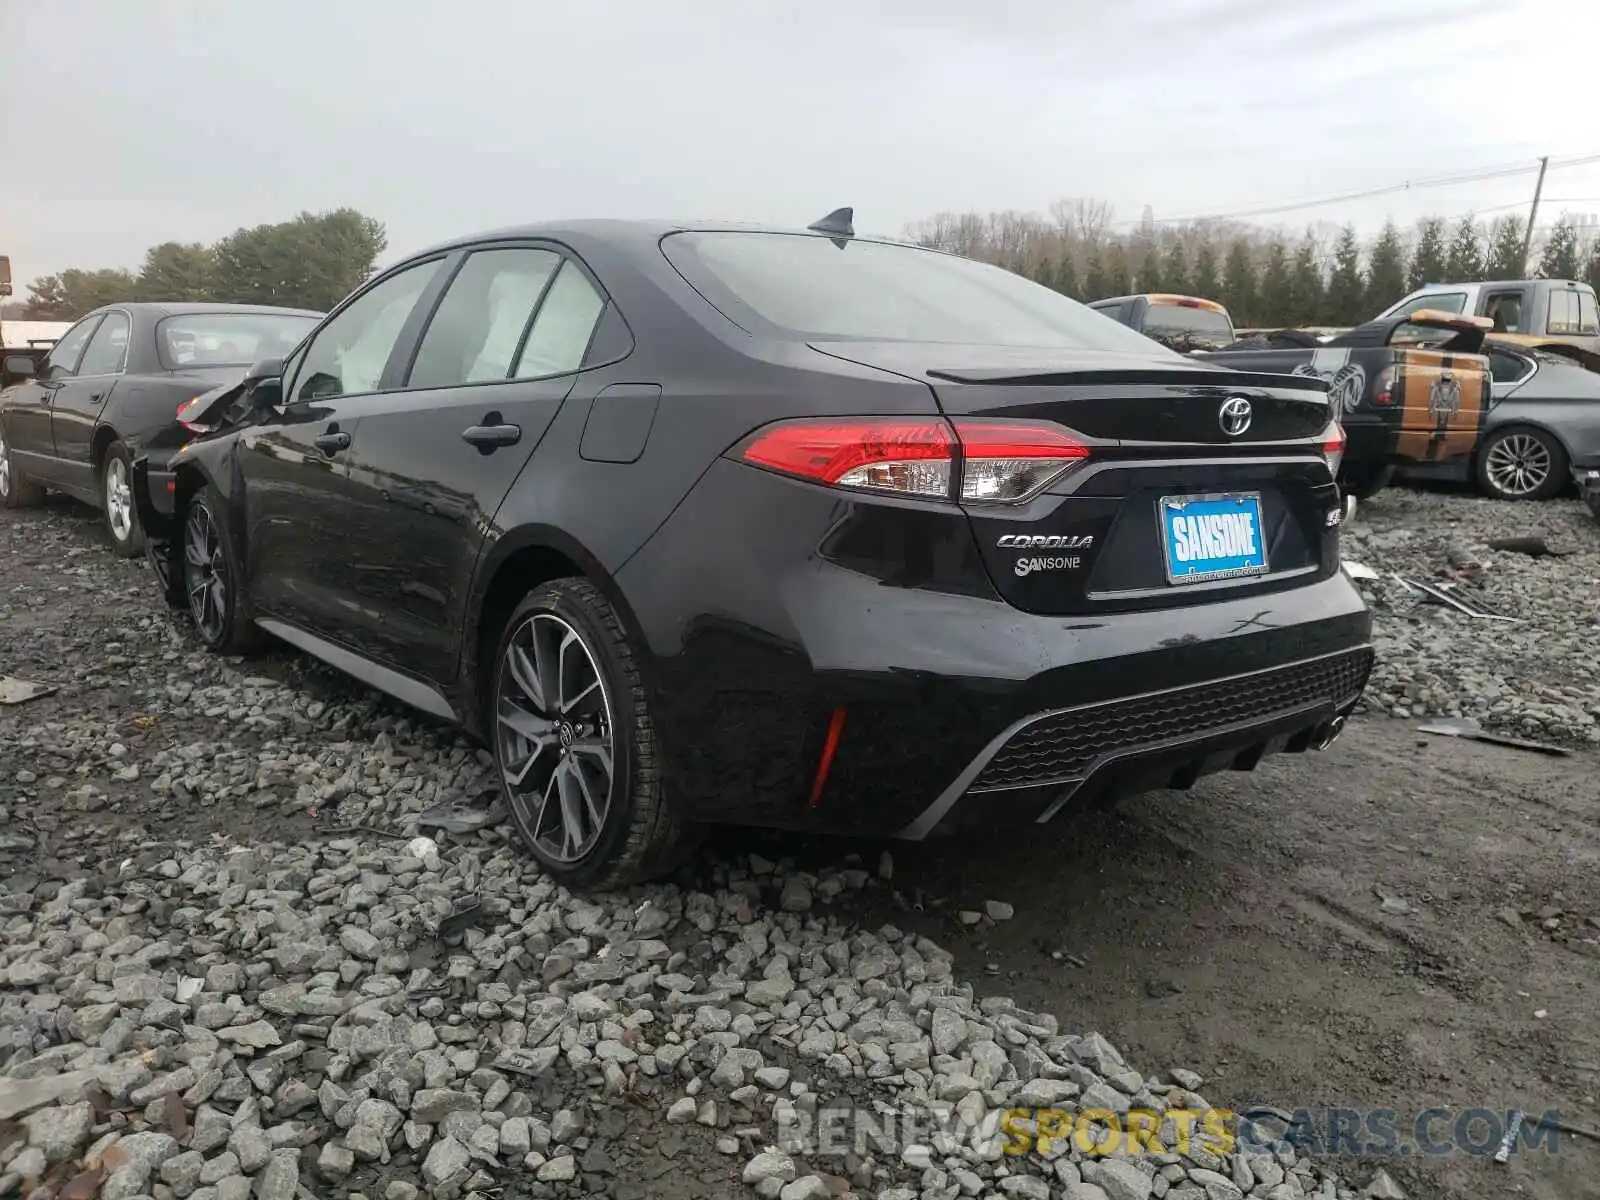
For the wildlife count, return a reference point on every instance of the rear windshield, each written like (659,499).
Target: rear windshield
(810,287)
(226,339)
(1178,320)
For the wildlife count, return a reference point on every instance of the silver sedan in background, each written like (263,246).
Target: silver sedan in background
(1543,426)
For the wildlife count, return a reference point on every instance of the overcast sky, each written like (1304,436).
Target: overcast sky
(149,120)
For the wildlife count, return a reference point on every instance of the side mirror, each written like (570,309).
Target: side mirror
(267,368)
(19,365)
(266,392)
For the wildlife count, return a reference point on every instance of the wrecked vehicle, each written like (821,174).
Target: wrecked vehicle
(1180,323)
(916,544)
(116,378)
(1543,424)
(1410,390)
(1561,310)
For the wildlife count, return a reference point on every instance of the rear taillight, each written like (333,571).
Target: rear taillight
(975,461)
(1383,391)
(1009,461)
(1333,448)
(185,407)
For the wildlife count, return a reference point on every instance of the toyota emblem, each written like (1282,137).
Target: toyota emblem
(1235,415)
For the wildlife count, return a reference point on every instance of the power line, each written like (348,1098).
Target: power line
(1477,175)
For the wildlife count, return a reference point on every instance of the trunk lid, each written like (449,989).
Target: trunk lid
(1176,503)
(1165,398)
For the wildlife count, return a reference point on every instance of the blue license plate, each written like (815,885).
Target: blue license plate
(1212,537)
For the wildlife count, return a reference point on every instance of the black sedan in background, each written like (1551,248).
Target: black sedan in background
(114,380)
(795,528)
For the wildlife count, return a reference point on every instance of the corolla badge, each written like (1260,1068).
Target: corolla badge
(1234,416)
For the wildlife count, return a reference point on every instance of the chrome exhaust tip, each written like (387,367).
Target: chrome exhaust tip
(1328,734)
(1349,509)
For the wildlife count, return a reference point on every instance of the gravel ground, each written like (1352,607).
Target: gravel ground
(224,973)
(1537,677)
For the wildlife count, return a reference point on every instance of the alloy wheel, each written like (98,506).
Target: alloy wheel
(119,500)
(5,469)
(205,573)
(554,737)
(1518,464)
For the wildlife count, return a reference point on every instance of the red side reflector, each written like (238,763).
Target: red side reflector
(830,747)
(172,487)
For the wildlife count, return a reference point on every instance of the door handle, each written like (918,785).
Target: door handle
(491,437)
(332,443)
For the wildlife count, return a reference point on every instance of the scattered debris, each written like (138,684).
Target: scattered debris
(1513,1127)
(20,691)
(465,913)
(1469,728)
(1358,570)
(1532,546)
(461,817)
(1450,594)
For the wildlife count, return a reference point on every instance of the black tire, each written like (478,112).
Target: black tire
(16,491)
(116,503)
(1521,462)
(640,835)
(1365,482)
(221,614)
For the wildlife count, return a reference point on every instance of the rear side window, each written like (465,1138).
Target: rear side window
(1507,368)
(1563,314)
(478,327)
(560,335)
(1572,312)
(1588,319)
(108,349)
(807,286)
(1183,321)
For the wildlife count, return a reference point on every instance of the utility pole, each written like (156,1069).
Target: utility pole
(1527,238)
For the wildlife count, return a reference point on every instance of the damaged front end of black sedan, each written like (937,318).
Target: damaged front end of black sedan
(156,472)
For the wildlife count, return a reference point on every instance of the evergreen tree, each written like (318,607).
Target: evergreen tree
(1305,285)
(1465,262)
(1150,277)
(1239,284)
(1386,272)
(1430,263)
(1095,286)
(1119,275)
(1505,249)
(1347,292)
(1560,257)
(1277,302)
(1207,282)
(1067,279)
(1175,276)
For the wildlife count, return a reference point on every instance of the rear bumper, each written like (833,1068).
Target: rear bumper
(1588,481)
(761,620)
(1167,738)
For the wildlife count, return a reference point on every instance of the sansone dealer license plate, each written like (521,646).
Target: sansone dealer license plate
(1212,537)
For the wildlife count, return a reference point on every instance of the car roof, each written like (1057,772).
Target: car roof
(638,232)
(178,308)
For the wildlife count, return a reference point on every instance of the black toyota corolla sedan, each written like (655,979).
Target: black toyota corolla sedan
(794,528)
